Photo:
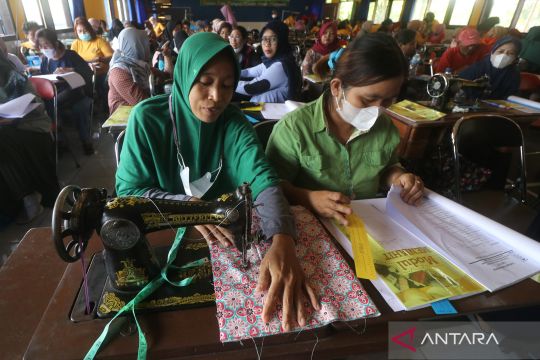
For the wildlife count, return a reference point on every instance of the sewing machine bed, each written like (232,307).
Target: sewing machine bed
(106,301)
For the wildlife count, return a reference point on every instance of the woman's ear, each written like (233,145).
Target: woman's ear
(335,87)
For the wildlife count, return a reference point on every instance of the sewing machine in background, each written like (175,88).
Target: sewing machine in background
(128,262)
(447,90)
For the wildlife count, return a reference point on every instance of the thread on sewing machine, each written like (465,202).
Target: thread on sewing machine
(314,346)
(168,223)
(85,280)
(259,354)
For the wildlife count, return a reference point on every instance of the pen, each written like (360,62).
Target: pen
(500,106)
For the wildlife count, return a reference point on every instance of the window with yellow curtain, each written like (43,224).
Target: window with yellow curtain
(6,22)
(380,11)
(419,9)
(396,9)
(505,10)
(439,8)
(31,11)
(345,10)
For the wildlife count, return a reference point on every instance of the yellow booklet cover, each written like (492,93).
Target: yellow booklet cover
(415,112)
(119,117)
(420,276)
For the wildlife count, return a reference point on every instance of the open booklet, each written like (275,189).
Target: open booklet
(275,111)
(73,79)
(438,250)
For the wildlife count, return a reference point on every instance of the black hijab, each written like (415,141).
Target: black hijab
(284,54)
(116,27)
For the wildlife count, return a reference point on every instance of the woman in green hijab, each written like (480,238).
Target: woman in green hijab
(194,144)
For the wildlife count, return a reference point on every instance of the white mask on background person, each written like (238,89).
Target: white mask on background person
(49,53)
(500,61)
(362,119)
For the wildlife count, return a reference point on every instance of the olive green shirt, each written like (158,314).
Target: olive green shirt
(304,153)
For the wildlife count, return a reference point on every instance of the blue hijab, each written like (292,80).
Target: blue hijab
(504,82)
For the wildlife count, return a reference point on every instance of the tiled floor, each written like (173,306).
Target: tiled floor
(96,171)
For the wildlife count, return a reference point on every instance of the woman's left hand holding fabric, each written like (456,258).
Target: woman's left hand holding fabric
(282,277)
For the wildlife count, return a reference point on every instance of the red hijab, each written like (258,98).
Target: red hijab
(326,49)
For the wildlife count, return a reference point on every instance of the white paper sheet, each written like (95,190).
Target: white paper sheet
(491,253)
(275,111)
(73,79)
(18,107)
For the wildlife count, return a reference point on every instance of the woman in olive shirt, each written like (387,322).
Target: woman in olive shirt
(341,146)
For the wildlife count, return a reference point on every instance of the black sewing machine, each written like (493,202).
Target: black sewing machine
(446,90)
(128,262)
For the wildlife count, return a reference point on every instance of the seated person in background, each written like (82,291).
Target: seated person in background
(485,26)
(225,30)
(92,48)
(494,34)
(57,60)
(97,52)
(500,66)
(326,42)
(437,35)
(246,55)
(428,24)
(130,70)
(406,40)
(386,26)
(96,25)
(27,174)
(342,146)
(114,32)
(196,131)
(365,28)
(417,27)
(278,78)
(157,26)
(469,50)
(30,46)
(19,66)
(530,54)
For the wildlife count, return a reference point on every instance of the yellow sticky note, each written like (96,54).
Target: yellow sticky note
(363,258)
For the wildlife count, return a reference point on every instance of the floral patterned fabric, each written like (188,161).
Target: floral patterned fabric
(239,307)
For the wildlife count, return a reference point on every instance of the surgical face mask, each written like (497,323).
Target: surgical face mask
(361,118)
(49,53)
(85,37)
(501,61)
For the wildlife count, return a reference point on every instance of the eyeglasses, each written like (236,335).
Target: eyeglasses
(235,37)
(269,40)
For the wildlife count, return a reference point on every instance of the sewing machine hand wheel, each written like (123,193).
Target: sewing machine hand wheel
(74,219)
(437,85)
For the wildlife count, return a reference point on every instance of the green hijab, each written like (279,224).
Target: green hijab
(201,143)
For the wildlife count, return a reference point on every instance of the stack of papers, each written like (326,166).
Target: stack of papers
(517,103)
(73,79)
(275,111)
(18,107)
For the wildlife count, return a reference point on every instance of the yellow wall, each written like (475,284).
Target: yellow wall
(95,9)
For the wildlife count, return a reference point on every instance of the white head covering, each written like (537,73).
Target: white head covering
(133,55)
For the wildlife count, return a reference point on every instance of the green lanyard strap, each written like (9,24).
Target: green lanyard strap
(143,294)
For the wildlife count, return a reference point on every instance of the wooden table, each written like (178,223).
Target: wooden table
(40,329)
(418,137)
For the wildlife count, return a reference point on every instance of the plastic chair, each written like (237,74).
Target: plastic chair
(263,130)
(474,133)
(46,90)
(529,83)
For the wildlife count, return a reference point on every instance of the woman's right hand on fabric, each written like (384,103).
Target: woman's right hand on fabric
(330,204)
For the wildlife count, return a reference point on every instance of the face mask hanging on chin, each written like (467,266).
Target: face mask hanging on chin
(200,186)
(362,119)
